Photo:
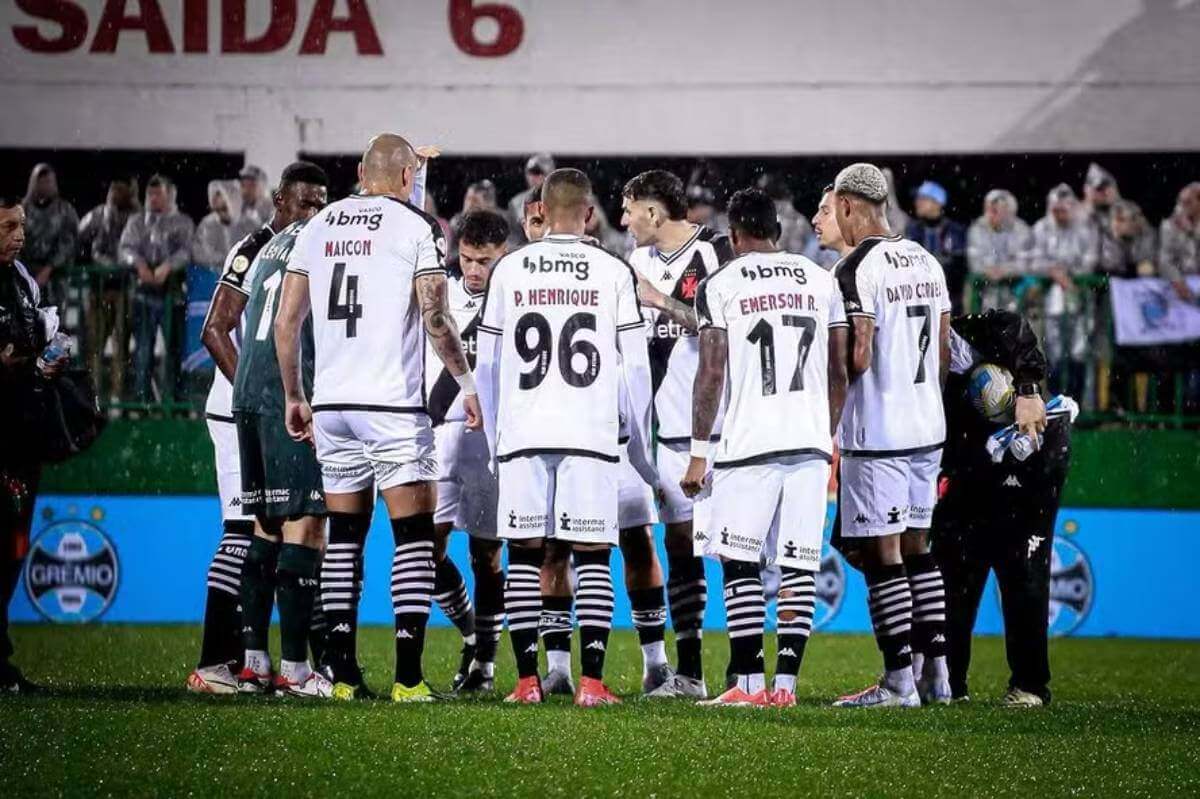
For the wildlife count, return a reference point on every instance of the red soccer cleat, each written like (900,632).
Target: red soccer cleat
(527,692)
(593,693)
(736,697)
(782,697)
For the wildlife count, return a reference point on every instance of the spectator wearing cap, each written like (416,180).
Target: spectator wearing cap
(704,197)
(479,196)
(536,168)
(998,244)
(796,234)
(51,233)
(107,311)
(943,238)
(1063,249)
(257,205)
(156,245)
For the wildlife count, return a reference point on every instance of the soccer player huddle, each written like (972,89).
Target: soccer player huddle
(561,401)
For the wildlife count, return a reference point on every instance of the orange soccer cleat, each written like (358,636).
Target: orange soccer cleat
(736,697)
(593,693)
(527,692)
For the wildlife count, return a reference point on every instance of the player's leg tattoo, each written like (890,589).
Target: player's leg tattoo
(523,605)
(222,640)
(412,592)
(794,608)
(594,609)
(745,610)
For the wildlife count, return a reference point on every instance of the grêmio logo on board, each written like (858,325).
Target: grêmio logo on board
(167,27)
(72,572)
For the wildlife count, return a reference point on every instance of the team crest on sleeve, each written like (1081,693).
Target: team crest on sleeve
(240,264)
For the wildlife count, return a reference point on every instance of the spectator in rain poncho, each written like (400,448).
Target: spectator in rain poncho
(998,245)
(51,232)
(257,207)
(221,228)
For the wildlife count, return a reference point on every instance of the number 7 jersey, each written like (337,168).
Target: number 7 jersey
(361,256)
(895,407)
(557,306)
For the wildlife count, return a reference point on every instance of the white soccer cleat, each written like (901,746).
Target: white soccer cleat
(934,691)
(680,687)
(658,677)
(216,680)
(1018,698)
(879,695)
(315,686)
(254,683)
(557,683)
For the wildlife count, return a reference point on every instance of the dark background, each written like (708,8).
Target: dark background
(1150,179)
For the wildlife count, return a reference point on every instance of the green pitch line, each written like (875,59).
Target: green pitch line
(1125,721)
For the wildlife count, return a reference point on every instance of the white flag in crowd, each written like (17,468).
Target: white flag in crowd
(1147,311)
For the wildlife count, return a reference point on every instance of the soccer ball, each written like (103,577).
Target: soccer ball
(991,392)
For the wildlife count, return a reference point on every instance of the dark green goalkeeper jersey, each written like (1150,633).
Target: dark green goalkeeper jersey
(257,387)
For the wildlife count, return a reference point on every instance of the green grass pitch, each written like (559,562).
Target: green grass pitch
(1125,721)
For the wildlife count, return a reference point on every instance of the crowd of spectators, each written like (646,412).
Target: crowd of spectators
(139,250)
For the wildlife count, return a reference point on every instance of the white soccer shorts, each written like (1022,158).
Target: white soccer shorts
(635,498)
(672,465)
(566,497)
(885,496)
(359,447)
(467,492)
(768,513)
(229,468)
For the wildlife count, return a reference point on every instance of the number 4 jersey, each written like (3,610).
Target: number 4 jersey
(361,256)
(557,306)
(895,407)
(777,309)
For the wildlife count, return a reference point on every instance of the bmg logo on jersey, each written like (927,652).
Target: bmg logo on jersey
(370,218)
(1072,587)
(578,268)
(73,572)
(756,271)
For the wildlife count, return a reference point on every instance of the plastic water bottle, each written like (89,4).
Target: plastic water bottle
(58,348)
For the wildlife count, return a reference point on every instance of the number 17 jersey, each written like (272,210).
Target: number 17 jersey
(558,305)
(361,256)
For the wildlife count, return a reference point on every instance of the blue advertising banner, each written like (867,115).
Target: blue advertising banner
(143,559)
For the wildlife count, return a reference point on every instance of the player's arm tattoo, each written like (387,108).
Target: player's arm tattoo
(222,319)
(678,312)
(433,300)
(839,338)
(710,381)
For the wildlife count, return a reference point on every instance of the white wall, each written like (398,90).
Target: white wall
(633,76)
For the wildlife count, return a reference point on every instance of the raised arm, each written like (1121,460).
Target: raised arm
(293,308)
(432,298)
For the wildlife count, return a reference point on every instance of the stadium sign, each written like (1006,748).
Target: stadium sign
(72,572)
(1072,587)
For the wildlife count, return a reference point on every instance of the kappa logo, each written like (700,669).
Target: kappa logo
(564,523)
(1035,541)
(905,650)
(787,652)
(403,633)
(470,304)
(861,519)
(596,645)
(315,496)
(938,639)
(1011,481)
(512,520)
(532,648)
(341,628)
(894,516)
(666,274)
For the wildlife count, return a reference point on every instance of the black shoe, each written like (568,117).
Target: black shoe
(464,667)
(12,681)
(475,683)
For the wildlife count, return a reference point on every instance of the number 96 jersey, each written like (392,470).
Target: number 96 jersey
(777,309)
(361,255)
(558,305)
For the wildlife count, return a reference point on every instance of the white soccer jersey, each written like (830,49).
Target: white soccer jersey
(441,389)
(557,305)
(361,255)
(895,407)
(777,309)
(219,404)
(674,352)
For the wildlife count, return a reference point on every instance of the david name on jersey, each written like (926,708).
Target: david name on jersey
(924,290)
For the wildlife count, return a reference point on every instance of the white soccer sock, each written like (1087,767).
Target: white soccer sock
(785,682)
(918,665)
(752,683)
(486,668)
(653,654)
(296,671)
(258,661)
(900,680)
(936,668)
(559,660)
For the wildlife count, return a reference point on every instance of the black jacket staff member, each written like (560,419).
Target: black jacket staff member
(22,339)
(999,515)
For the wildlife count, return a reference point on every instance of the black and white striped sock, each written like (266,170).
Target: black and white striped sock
(687,594)
(222,641)
(450,591)
(745,613)
(523,605)
(412,592)
(341,589)
(593,609)
(891,615)
(794,610)
(554,627)
(929,605)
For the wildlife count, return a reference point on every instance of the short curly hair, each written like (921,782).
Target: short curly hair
(482,227)
(863,180)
